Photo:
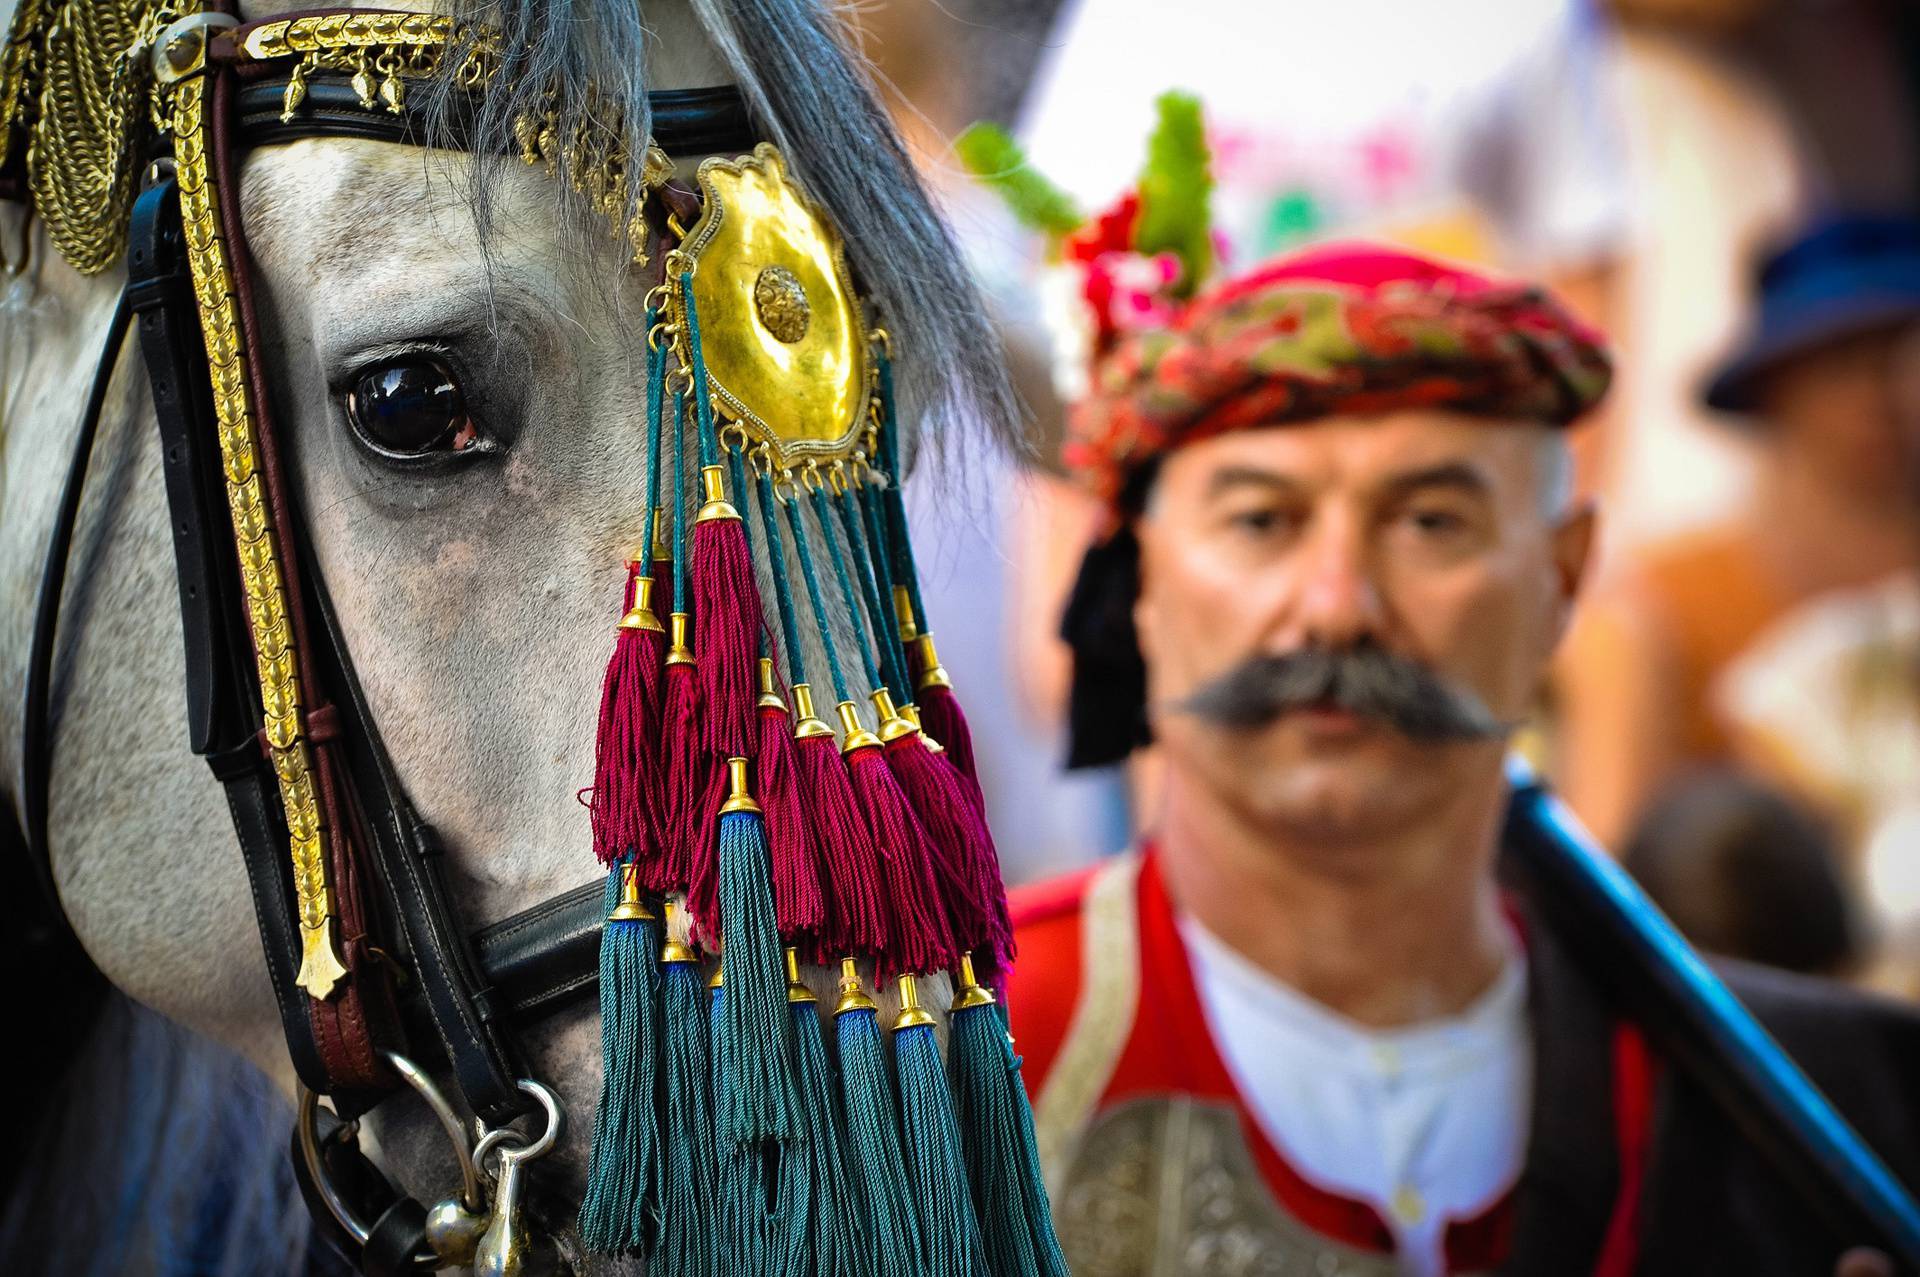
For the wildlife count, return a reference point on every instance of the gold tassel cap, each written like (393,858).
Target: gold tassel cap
(714,484)
(678,653)
(769,688)
(852,996)
(970,993)
(675,951)
(893,724)
(856,736)
(797,990)
(640,616)
(632,908)
(807,723)
(739,797)
(933,674)
(912,1014)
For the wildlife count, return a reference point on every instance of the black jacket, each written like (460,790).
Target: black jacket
(1710,1203)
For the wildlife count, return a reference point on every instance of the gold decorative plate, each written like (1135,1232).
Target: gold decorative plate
(781,331)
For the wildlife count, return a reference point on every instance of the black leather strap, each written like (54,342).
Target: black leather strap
(36,762)
(220,724)
(546,957)
(709,121)
(394,1239)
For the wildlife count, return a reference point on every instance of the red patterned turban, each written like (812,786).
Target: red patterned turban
(1335,330)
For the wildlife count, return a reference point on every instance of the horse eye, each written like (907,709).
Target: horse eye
(410,408)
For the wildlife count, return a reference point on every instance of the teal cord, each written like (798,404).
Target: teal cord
(782,588)
(877,616)
(656,392)
(812,579)
(846,589)
(709,442)
(679,507)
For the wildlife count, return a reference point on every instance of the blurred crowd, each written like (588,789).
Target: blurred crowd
(1729,188)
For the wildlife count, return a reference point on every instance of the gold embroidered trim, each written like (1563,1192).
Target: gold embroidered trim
(260,571)
(1102,1019)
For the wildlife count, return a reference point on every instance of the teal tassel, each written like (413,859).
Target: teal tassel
(826,1235)
(743,1223)
(617,1215)
(873,1134)
(935,1166)
(756,1086)
(996,1127)
(1033,1183)
(686,1246)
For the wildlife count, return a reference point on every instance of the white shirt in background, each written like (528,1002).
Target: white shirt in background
(1427,1123)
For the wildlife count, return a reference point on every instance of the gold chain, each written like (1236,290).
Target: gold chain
(92,84)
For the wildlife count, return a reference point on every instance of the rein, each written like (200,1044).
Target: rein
(312,772)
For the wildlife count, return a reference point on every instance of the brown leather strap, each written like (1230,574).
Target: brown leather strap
(361,1016)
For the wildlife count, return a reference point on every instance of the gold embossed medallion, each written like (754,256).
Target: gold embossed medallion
(781,331)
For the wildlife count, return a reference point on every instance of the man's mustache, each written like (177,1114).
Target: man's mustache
(1366,680)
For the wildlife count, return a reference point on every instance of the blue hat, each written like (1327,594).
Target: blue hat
(1843,277)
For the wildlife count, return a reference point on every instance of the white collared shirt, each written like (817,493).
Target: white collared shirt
(1427,1123)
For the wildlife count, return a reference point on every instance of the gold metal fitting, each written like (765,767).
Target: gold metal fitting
(911,713)
(718,980)
(903,613)
(856,736)
(631,907)
(713,482)
(893,725)
(662,542)
(675,951)
(970,994)
(739,797)
(807,723)
(933,674)
(797,990)
(769,688)
(912,1014)
(640,616)
(852,996)
(678,653)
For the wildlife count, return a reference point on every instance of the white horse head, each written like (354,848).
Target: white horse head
(474,587)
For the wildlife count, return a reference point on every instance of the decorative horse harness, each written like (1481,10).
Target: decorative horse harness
(367,955)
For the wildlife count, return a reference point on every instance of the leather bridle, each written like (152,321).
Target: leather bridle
(418,980)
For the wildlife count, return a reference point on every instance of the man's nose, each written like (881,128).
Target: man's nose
(1339,602)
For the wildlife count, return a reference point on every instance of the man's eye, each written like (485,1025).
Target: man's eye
(1437,522)
(411,408)
(1262,521)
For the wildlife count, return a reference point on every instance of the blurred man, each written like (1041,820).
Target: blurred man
(1301,1029)
(1816,381)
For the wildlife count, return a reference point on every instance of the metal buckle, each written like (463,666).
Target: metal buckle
(459,1231)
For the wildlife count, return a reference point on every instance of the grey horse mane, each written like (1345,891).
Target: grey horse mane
(811,91)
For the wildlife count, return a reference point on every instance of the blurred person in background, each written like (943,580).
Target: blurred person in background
(1827,703)
(1744,872)
(1302,1022)
(1813,383)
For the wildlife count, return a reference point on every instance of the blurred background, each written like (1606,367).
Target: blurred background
(1729,188)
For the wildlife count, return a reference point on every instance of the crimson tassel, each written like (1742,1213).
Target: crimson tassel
(799,908)
(856,904)
(940,715)
(617,757)
(726,621)
(623,754)
(684,767)
(703,852)
(968,865)
(923,937)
